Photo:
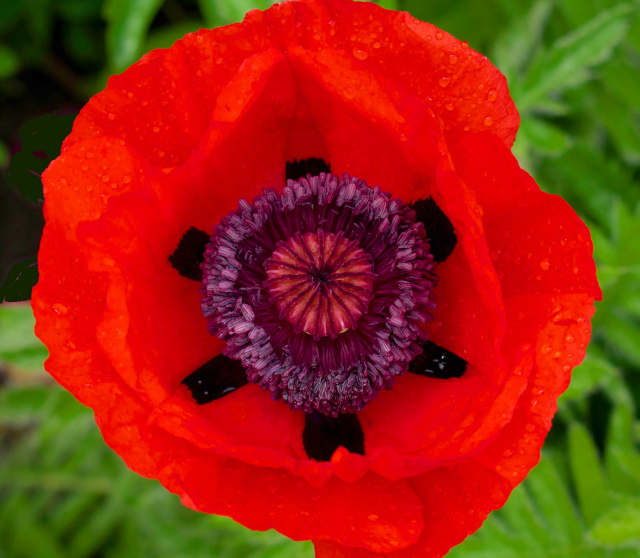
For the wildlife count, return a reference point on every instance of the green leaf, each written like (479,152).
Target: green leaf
(127,25)
(223,12)
(388,4)
(622,125)
(569,61)
(40,143)
(555,504)
(22,405)
(588,476)
(619,525)
(586,378)
(544,137)
(622,337)
(516,45)
(621,76)
(9,62)
(591,183)
(166,36)
(21,279)
(19,345)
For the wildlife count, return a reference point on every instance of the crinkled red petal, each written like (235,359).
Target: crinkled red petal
(458,498)
(370,518)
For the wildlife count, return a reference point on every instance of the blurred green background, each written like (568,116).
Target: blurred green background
(574,71)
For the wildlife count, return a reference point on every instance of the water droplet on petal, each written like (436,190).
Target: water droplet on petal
(360,54)
(449,106)
(488,121)
(444,81)
(453,59)
(545,265)
(59,309)
(439,35)
(492,95)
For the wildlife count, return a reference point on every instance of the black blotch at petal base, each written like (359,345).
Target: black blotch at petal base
(323,434)
(437,362)
(295,170)
(215,379)
(189,254)
(442,237)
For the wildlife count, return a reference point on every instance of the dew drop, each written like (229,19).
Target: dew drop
(105,178)
(545,265)
(488,121)
(453,59)
(60,309)
(444,81)
(464,44)
(360,54)
(492,95)
(126,179)
(449,106)
(439,35)
(112,116)
(376,45)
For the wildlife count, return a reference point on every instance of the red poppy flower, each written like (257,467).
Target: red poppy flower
(465,291)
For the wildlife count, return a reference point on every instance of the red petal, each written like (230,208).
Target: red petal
(543,247)
(460,85)
(458,498)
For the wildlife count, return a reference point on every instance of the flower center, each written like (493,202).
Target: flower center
(320,282)
(320,291)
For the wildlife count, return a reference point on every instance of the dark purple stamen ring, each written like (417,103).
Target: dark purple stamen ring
(320,291)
